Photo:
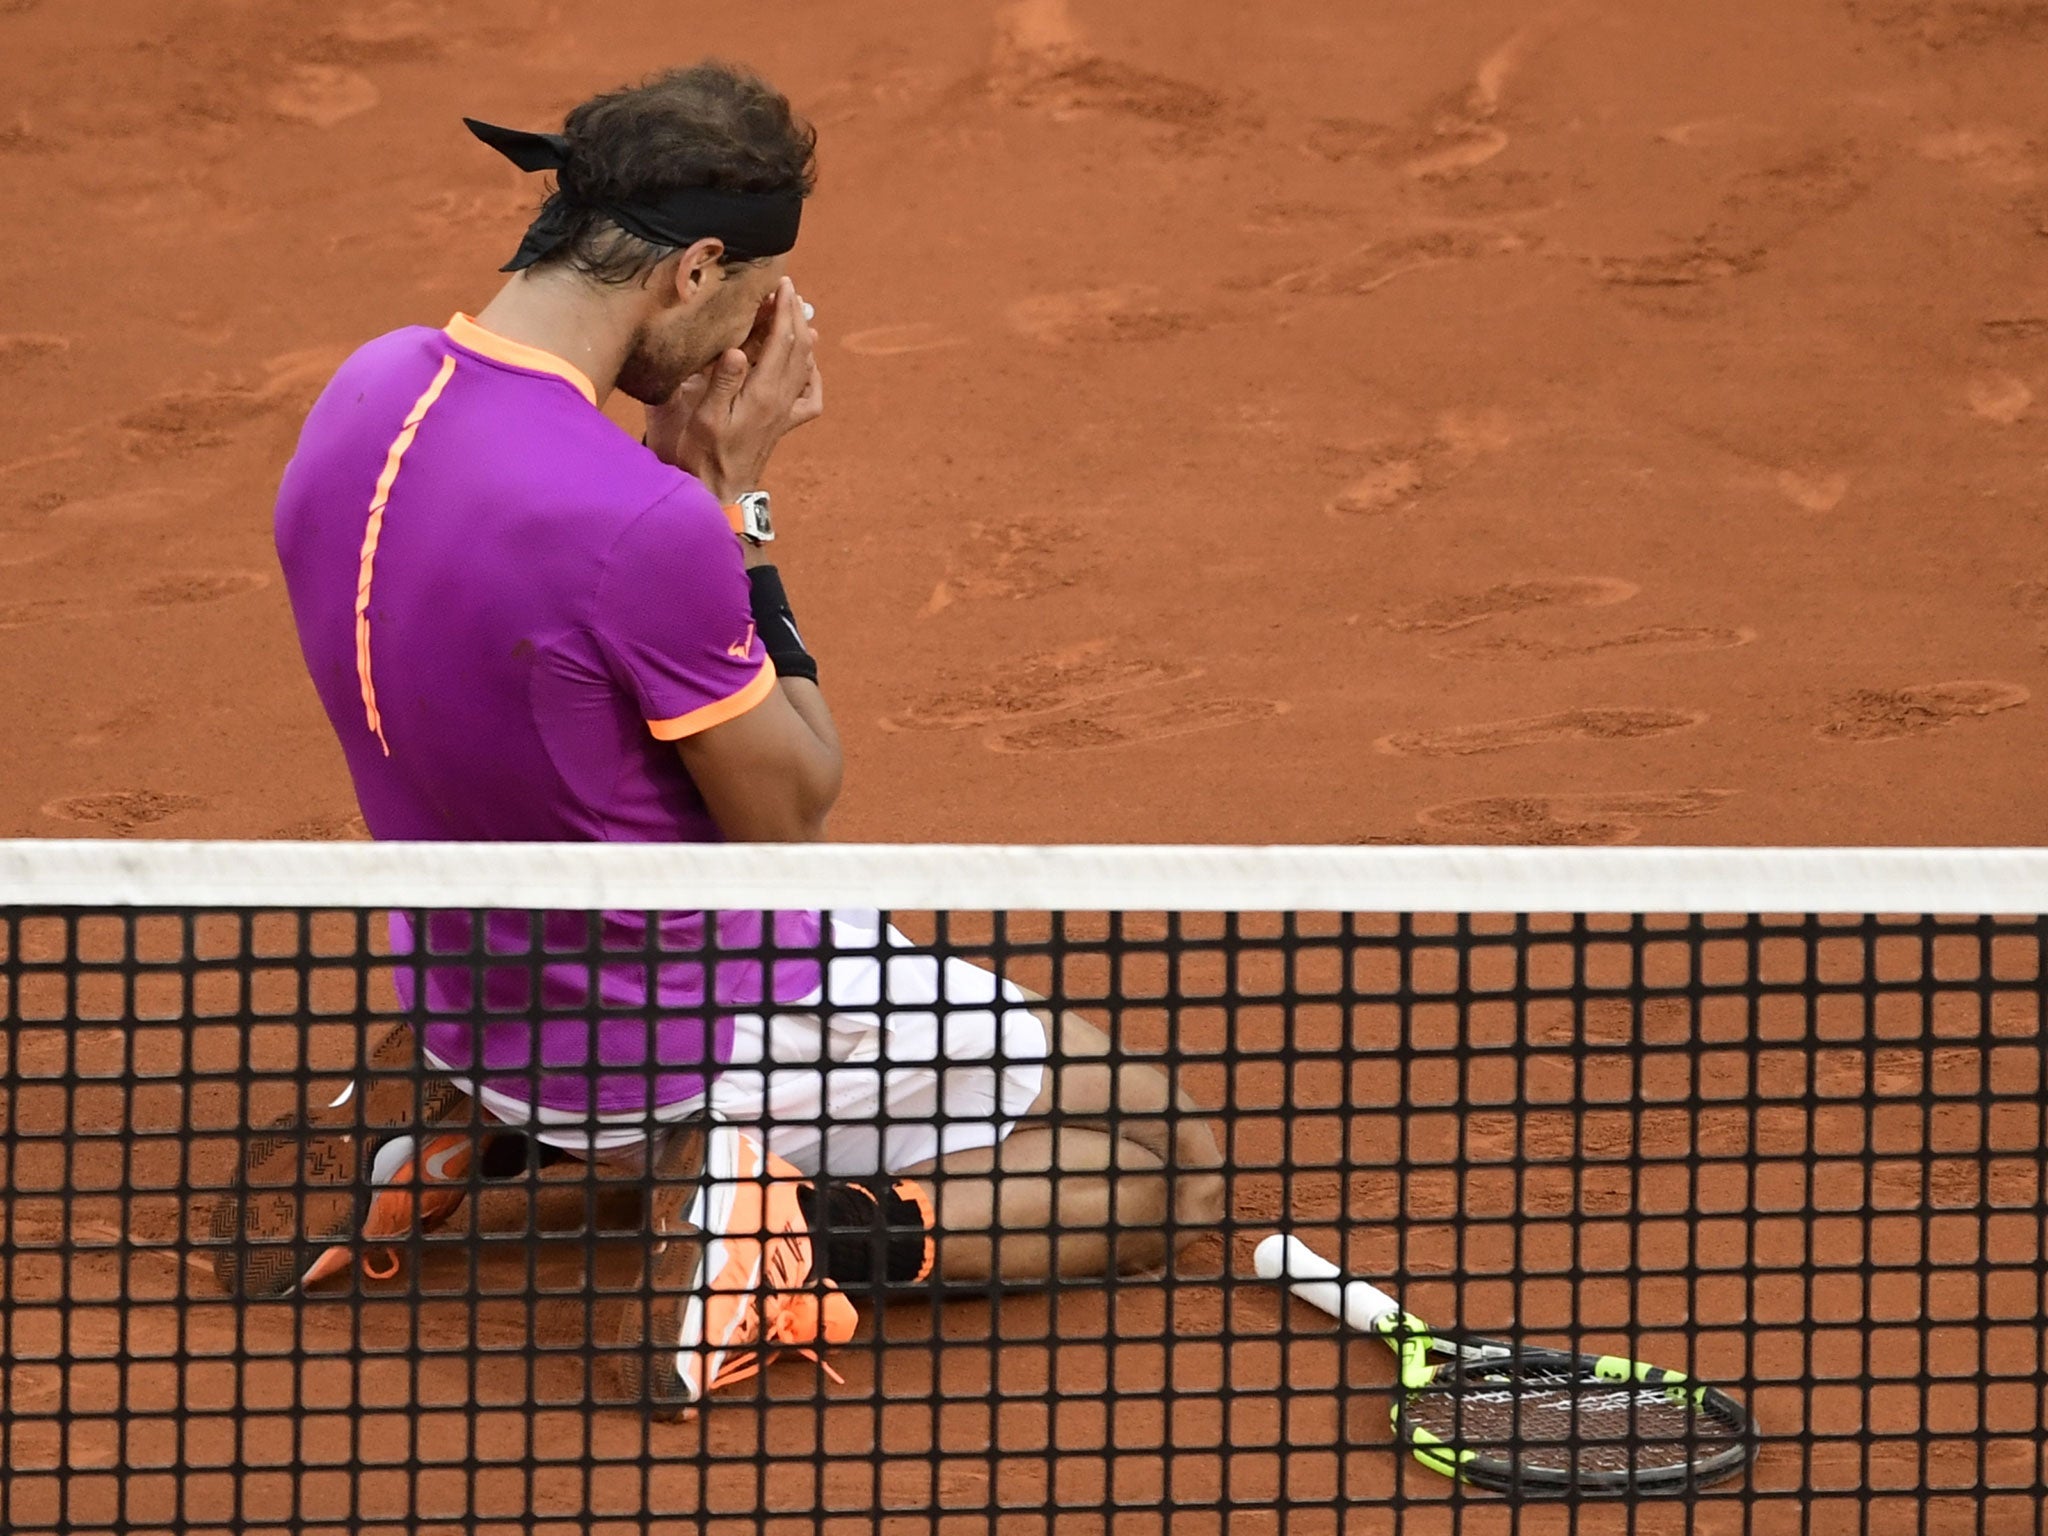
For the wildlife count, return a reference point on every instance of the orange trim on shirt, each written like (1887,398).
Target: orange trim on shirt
(465,332)
(728,708)
(374,530)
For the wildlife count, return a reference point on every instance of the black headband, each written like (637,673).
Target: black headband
(752,224)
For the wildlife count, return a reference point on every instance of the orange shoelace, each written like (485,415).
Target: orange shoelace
(792,1323)
(789,1320)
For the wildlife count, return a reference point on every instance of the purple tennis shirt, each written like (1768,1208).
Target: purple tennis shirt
(511,612)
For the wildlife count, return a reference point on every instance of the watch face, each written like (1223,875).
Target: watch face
(754,509)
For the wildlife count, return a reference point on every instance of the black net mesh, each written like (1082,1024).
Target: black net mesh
(1798,1157)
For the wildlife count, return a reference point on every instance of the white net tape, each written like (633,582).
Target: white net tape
(1114,878)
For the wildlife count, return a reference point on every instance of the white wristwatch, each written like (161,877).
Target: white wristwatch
(749,517)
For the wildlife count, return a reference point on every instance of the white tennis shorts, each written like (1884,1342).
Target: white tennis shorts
(837,1083)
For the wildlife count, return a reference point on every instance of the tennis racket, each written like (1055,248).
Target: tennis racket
(1524,1419)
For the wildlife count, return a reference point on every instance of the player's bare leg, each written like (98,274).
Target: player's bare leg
(1111,1170)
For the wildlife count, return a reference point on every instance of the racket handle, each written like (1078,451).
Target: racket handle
(1357,1303)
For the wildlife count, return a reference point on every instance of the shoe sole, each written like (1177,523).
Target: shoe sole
(295,1195)
(640,1334)
(713,1215)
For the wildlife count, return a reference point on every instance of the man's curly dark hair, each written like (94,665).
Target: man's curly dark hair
(714,125)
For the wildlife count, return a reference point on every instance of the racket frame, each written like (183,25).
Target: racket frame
(1423,1356)
(1364,1307)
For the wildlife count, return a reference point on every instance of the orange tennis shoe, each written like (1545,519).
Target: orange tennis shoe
(732,1275)
(382,1161)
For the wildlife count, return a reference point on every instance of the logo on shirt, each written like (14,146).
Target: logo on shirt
(741,648)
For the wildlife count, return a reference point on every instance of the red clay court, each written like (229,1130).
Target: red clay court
(1348,421)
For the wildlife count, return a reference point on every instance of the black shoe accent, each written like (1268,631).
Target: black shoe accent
(856,1232)
(513,1155)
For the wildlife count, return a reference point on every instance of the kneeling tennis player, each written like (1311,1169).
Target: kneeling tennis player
(527,625)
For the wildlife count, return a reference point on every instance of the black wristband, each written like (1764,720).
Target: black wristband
(776,625)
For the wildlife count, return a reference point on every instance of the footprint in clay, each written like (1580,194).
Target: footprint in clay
(1042,686)
(338,827)
(1568,820)
(900,340)
(323,95)
(1889,714)
(1565,725)
(1104,732)
(1652,640)
(42,610)
(177,424)
(20,348)
(123,810)
(1098,315)
(193,587)
(1462,610)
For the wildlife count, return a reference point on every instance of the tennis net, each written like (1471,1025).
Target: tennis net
(1769,1118)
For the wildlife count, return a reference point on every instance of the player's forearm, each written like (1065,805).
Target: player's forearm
(768,776)
(825,770)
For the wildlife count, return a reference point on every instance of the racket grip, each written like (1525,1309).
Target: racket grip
(1356,1303)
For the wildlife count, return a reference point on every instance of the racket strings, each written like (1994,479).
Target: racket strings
(1569,1427)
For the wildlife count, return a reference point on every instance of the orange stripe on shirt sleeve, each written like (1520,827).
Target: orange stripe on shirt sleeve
(374,530)
(730,707)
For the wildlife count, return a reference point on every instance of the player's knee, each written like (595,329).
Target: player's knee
(1144,1201)
(1196,1143)
(1144,1212)
(1200,1201)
